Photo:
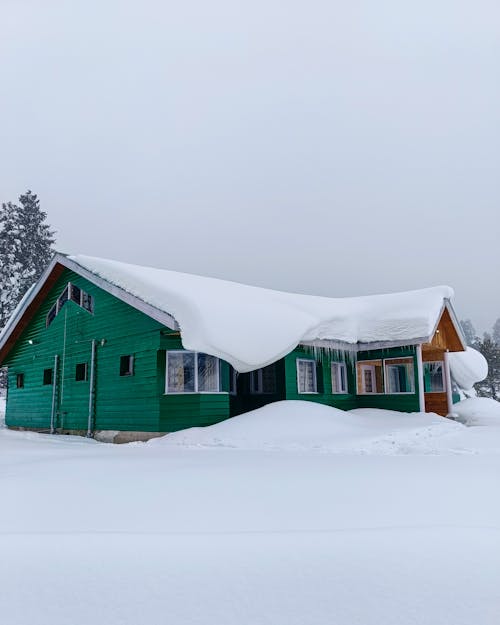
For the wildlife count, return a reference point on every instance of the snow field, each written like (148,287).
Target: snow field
(277,531)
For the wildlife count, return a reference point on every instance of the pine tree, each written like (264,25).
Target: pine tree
(469,331)
(25,249)
(496,332)
(490,386)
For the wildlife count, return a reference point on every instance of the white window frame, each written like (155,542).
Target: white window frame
(443,376)
(371,368)
(386,377)
(337,367)
(315,392)
(196,391)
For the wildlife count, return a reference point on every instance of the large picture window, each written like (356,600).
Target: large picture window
(399,376)
(339,378)
(192,372)
(306,376)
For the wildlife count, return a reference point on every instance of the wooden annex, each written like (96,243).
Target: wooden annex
(86,356)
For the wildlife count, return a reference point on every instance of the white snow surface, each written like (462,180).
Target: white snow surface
(288,533)
(468,367)
(251,327)
(478,411)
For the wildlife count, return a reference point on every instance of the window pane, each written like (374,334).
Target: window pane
(63,298)
(370,379)
(434,377)
(400,376)
(87,302)
(81,372)
(208,373)
(47,376)
(180,372)
(268,379)
(51,314)
(75,294)
(306,376)
(126,365)
(20,380)
(339,378)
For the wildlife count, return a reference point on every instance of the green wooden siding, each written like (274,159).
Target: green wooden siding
(125,403)
(323,376)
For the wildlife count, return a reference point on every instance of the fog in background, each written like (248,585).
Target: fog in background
(337,148)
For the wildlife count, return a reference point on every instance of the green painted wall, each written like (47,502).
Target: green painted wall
(127,403)
(323,376)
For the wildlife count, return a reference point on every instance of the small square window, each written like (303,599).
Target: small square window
(126,365)
(76,294)
(20,380)
(81,372)
(87,302)
(47,376)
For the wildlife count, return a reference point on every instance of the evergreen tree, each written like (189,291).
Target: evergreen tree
(496,332)
(25,249)
(469,332)
(490,386)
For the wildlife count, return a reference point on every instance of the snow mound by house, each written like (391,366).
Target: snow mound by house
(478,411)
(251,327)
(468,367)
(307,426)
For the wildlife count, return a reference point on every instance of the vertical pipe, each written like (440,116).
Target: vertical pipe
(449,394)
(91,390)
(420,375)
(54,396)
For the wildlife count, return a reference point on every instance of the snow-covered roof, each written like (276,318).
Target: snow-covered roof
(251,327)
(468,367)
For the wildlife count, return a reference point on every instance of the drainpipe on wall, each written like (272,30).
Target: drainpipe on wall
(54,396)
(91,391)
(449,394)
(420,375)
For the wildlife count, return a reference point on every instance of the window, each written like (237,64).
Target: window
(306,376)
(263,381)
(191,372)
(47,376)
(369,377)
(20,380)
(71,293)
(339,378)
(126,365)
(434,377)
(399,376)
(81,372)
(233,381)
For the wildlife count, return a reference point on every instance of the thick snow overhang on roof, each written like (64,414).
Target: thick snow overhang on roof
(468,367)
(249,326)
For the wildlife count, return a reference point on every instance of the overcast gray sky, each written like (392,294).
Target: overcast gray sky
(338,148)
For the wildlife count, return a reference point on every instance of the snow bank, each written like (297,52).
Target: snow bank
(468,367)
(304,425)
(478,411)
(251,327)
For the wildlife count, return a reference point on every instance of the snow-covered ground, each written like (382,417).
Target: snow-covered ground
(296,514)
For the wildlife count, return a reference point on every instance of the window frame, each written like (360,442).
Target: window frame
(443,376)
(412,379)
(44,383)
(339,366)
(86,377)
(58,305)
(298,361)
(131,366)
(20,379)
(365,364)
(196,391)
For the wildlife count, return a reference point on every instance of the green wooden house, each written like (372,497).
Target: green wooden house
(123,352)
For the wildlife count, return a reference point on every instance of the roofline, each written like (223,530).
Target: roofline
(456,323)
(63,261)
(361,347)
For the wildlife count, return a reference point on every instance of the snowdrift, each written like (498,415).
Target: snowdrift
(478,411)
(468,367)
(304,425)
